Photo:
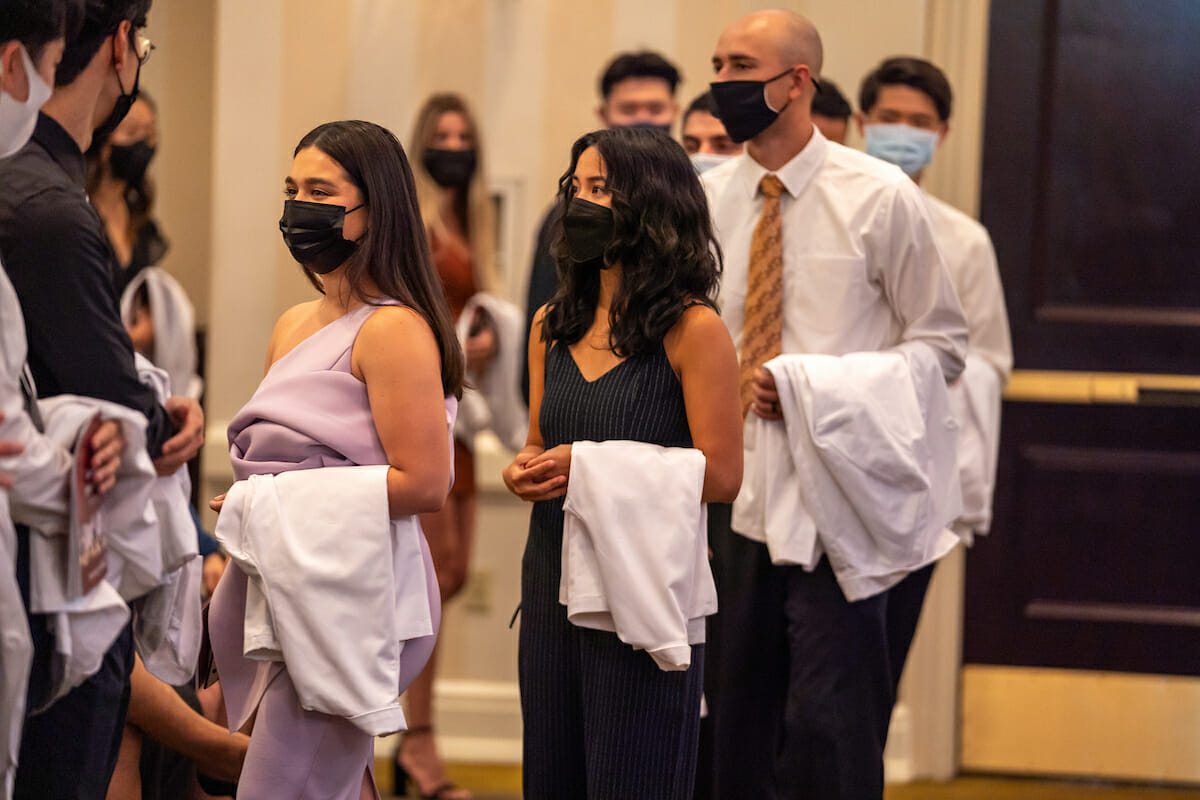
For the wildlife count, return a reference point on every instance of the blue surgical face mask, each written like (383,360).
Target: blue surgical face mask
(909,148)
(703,162)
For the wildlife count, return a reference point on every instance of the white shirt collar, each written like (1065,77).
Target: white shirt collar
(795,174)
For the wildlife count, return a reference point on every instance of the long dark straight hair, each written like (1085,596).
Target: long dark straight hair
(393,254)
(662,238)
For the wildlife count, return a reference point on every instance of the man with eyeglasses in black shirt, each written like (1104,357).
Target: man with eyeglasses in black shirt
(59,261)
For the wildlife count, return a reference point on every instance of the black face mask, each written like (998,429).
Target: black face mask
(122,106)
(588,228)
(313,232)
(742,106)
(450,169)
(128,162)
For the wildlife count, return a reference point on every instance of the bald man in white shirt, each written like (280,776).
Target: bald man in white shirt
(801,681)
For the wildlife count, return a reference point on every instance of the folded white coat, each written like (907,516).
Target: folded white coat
(495,402)
(16,651)
(166,620)
(334,586)
(635,547)
(174,327)
(863,468)
(135,555)
(85,627)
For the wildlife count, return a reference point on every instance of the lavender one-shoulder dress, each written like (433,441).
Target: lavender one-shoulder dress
(308,412)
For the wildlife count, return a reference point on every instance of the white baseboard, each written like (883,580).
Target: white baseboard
(898,760)
(478,722)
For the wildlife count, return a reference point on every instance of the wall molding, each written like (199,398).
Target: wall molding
(479,722)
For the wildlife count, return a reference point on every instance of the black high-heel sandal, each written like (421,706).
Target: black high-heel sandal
(401,779)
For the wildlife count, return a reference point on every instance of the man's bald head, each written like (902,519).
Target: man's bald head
(791,37)
(780,51)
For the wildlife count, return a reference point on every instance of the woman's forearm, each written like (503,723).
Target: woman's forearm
(420,491)
(722,479)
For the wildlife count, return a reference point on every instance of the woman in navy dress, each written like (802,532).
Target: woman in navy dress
(630,348)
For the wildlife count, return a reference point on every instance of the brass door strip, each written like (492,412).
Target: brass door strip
(1121,726)
(1124,388)
(1072,611)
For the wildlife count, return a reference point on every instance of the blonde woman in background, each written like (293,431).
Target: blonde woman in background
(452,190)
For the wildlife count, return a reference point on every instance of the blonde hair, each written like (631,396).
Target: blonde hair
(480,222)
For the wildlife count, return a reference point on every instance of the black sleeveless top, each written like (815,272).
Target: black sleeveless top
(640,399)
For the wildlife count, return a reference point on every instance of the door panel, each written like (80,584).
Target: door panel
(1092,560)
(1091,184)
(1091,191)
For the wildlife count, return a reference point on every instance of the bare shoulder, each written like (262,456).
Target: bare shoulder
(286,327)
(395,326)
(698,323)
(295,316)
(700,333)
(394,337)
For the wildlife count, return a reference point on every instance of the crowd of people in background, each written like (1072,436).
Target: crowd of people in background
(730,538)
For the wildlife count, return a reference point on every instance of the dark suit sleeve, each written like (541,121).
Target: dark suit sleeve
(543,283)
(60,265)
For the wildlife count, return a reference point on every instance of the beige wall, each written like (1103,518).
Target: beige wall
(180,78)
(240,82)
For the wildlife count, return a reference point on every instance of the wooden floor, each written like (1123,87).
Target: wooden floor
(504,783)
(973,788)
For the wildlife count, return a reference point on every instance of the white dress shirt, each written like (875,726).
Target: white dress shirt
(976,396)
(861,271)
(39,497)
(971,260)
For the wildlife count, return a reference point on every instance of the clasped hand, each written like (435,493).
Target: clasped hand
(537,474)
(766,396)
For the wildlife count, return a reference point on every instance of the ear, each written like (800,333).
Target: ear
(121,49)
(943,132)
(796,90)
(13,79)
(602,114)
(860,119)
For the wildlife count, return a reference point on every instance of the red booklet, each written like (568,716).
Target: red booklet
(87,561)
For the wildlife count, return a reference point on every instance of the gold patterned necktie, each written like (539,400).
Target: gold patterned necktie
(762,330)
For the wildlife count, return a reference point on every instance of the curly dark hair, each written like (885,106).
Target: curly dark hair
(662,239)
(393,254)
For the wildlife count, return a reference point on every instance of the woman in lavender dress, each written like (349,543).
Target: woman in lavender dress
(367,374)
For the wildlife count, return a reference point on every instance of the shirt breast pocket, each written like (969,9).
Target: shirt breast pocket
(831,293)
